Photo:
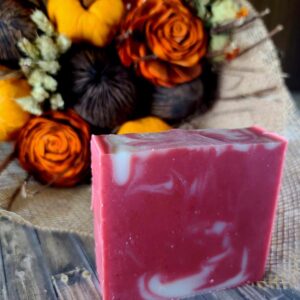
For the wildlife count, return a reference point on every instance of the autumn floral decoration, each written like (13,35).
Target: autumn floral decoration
(164,41)
(81,74)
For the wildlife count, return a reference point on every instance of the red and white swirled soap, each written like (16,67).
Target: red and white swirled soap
(183,212)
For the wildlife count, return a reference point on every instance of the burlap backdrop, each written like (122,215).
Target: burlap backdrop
(69,209)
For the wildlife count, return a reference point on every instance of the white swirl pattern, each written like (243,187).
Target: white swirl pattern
(155,288)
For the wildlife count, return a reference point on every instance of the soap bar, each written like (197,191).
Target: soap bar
(183,212)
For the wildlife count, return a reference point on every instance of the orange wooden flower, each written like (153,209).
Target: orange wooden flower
(55,148)
(164,40)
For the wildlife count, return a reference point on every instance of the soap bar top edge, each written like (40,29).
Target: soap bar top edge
(272,135)
(110,144)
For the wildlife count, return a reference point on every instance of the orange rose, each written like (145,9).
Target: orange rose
(165,41)
(55,148)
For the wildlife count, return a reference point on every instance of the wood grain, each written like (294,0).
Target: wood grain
(37,265)
(63,254)
(87,246)
(26,274)
(3,289)
(77,285)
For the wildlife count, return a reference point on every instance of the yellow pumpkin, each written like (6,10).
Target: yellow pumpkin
(12,116)
(144,125)
(95,24)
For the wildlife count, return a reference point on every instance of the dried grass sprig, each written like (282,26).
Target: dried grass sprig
(41,65)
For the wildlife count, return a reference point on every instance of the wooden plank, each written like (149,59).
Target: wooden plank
(199,297)
(291,294)
(25,271)
(63,254)
(77,285)
(209,296)
(251,292)
(228,295)
(87,245)
(271,293)
(3,288)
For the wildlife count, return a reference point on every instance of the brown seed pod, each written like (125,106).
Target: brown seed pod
(178,102)
(15,23)
(98,86)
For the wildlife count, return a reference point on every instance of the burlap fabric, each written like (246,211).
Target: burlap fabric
(242,103)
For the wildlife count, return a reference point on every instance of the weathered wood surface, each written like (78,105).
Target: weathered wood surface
(77,284)
(43,265)
(25,272)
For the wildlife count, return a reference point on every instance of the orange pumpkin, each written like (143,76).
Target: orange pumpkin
(144,125)
(12,116)
(95,24)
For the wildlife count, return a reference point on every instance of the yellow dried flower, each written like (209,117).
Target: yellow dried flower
(57,101)
(63,43)
(36,78)
(224,11)
(47,47)
(30,105)
(41,64)
(28,48)
(27,65)
(39,94)
(49,83)
(51,67)
(42,22)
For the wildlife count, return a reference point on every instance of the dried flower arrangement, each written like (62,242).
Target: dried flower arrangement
(134,66)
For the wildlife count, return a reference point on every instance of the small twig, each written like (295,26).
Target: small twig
(271,34)
(238,83)
(147,57)
(10,74)
(20,189)
(124,36)
(48,185)
(51,183)
(7,161)
(238,24)
(233,69)
(250,20)
(258,93)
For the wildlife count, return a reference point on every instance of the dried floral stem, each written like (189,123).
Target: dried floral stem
(7,161)
(233,69)
(124,36)
(10,74)
(250,20)
(18,190)
(271,34)
(50,184)
(144,58)
(258,93)
(22,189)
(147,57)
(237,24)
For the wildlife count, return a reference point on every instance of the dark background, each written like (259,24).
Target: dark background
(287,13)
